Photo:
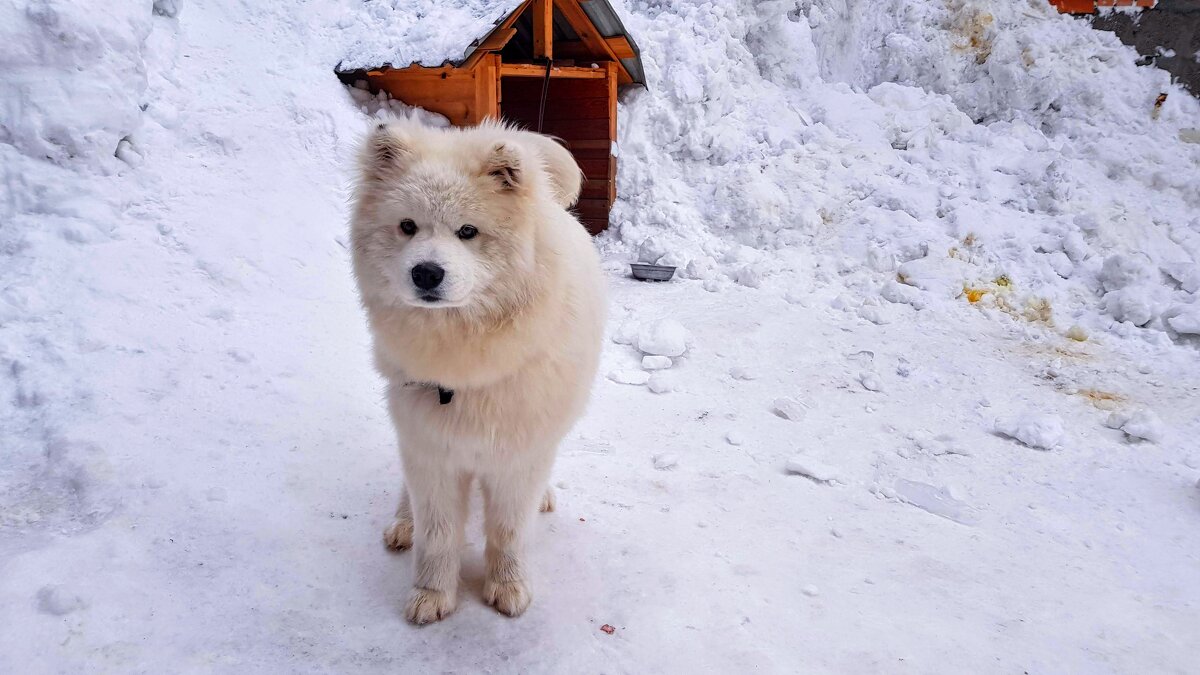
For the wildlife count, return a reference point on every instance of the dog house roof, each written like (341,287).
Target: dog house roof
(439,32)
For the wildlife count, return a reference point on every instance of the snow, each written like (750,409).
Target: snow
(805,466)
(935,500)
(1141,424)
(652,362)
(1042,431)
(663,338)
(198,467)
(662,383)
(426,32)
(629,376)
(790,409)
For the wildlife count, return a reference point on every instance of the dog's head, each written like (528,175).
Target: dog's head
(448,218)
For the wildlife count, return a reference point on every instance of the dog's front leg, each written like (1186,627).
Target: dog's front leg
(509,501)
(439,509)
(399,534)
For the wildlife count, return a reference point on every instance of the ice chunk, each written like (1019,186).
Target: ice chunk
(1042,431)
(935,500)
(663,338)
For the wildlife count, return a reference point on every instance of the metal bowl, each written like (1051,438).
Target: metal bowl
(652,272)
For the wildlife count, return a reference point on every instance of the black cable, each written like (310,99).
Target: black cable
(545,90)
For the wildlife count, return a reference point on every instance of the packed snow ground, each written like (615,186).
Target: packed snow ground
(884,446)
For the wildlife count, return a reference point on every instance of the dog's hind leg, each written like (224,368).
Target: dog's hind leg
(509,500)
(399,534)
(439,505)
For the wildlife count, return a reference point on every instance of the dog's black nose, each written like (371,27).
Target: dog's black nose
(427,276)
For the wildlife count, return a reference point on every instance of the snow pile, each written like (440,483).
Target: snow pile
(71,81)
(998,152)
(428,32)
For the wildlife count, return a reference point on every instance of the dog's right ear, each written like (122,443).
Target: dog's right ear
(386,151)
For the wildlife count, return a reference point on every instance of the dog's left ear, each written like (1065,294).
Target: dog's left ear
(386,150)
(505,165)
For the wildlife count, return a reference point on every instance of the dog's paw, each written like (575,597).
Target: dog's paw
(548,501)
(508,597)
(426,605)
(399,535)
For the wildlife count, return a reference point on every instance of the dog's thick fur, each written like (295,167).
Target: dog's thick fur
(515,334)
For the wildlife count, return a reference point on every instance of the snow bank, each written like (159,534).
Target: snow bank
(997,147)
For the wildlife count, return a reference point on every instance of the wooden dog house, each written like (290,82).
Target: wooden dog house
(576,52)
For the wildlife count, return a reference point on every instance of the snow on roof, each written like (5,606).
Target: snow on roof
(427,32)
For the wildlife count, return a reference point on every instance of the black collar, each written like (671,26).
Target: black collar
(444,394)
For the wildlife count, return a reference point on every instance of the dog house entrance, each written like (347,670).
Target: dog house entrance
(581,113)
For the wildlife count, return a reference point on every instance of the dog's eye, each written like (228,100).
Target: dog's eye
(408,227)
(467,232)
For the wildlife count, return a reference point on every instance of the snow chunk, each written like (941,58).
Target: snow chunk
(1187,321)
(654,362)
(629,376)
(810,468)
(626,333)
(743,373)
(734,438)
(662,383)
(1036,430)
(1141,424)
(666,460)
(663,338)
(869,381)
(58,601)
(790,409)
(1120,271)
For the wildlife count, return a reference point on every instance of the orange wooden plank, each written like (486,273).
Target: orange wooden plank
(487,89)
(611,80)
(535,70)
(543,29)
(620,47)
(574,14)
(489,39)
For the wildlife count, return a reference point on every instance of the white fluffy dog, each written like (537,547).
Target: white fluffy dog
(486,302)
